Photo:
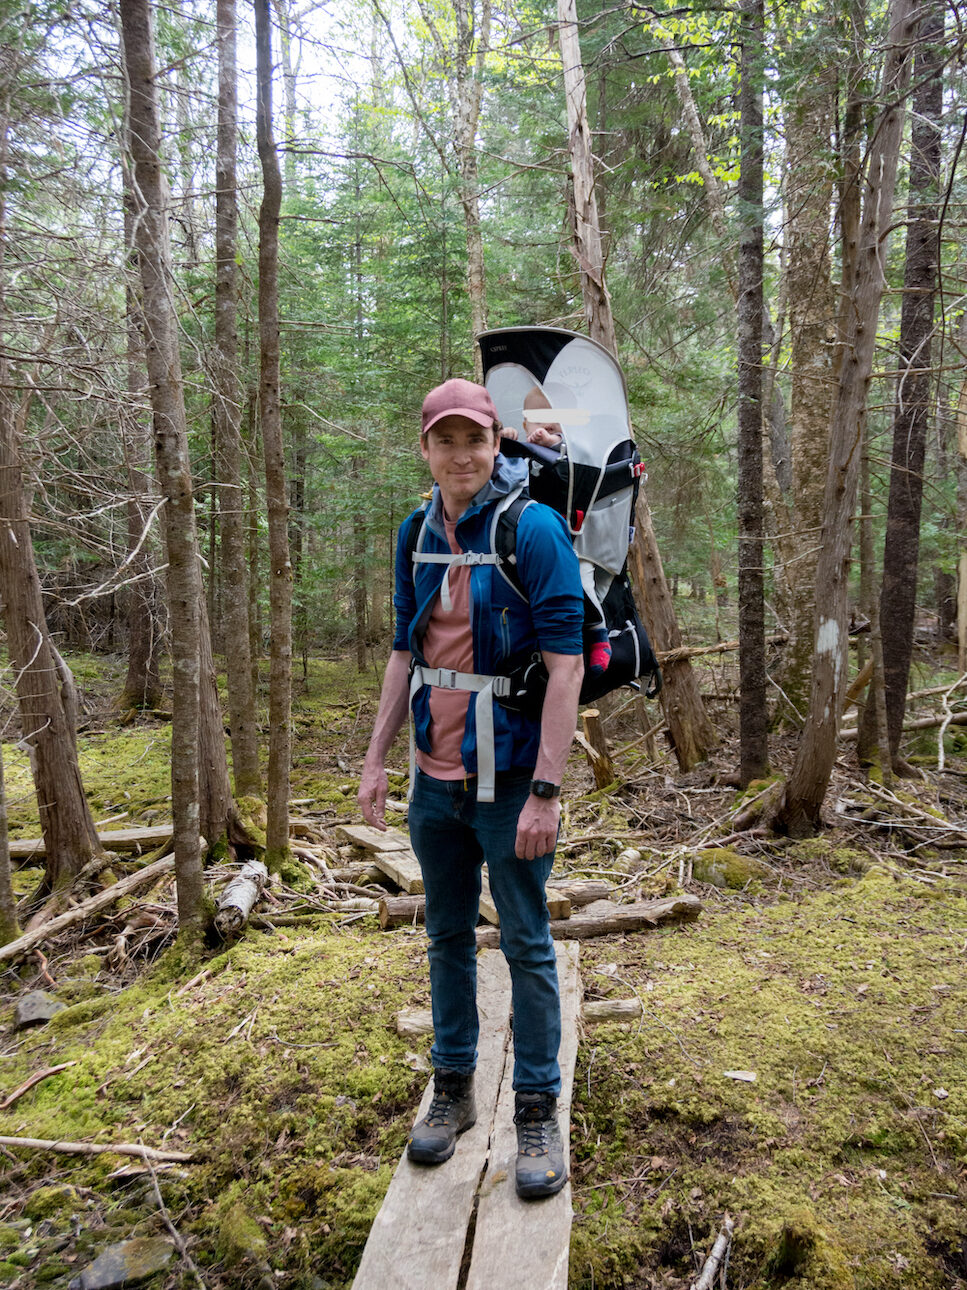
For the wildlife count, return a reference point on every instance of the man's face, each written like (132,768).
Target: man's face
(461,457)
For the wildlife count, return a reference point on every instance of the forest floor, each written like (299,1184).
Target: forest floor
(798,1064)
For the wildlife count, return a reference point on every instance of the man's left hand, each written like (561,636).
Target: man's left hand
(537,827)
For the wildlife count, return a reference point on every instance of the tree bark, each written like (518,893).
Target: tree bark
(902,548)
(9,929)
(228,423)
(691,732)
(185,591)
(587,232)
(43,688)
(799,811)
(142,686)
(280,572)
(753,710)
(468,92)
(812,323)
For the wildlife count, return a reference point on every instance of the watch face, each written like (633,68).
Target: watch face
(544,788)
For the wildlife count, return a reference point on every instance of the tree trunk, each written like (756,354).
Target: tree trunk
(799,810)
(469,87)
(142,686)
(284,10)
(587,232)
(43,684)
(9,930)
(753,710)
(185,591)
(692,735)
(812,315)
(228,422)
(902,548)
(280,570)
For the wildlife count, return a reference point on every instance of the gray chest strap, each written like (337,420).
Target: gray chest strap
(466,558)
(486,688)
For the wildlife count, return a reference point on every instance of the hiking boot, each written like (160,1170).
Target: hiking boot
(541,1170)
(433,1139)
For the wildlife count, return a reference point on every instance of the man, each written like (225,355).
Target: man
(487,780)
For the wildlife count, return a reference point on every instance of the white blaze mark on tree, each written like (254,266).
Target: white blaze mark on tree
(827,642)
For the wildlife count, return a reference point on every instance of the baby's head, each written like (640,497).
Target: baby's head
(549,434)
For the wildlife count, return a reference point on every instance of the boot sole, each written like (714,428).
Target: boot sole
(426,1157)
(538,1190)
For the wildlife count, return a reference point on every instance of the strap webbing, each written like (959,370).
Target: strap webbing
(453,561)
(486,688)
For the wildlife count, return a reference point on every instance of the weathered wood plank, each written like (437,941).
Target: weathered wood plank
(558,904)
(417,1239)
(361,835)
(639,917)
(403,868)
(518,1242)
(110,839)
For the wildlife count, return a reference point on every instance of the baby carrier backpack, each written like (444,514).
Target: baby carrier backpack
(549,376)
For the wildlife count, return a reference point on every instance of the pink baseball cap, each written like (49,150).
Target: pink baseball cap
(458,398)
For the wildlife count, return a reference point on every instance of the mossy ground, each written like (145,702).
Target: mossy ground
(837,980)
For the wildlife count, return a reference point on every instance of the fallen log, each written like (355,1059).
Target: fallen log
(919,723)
(598,1011)
(234,906)
(639,917)
(582,891)
(103,900)
(401,911)
(110,839)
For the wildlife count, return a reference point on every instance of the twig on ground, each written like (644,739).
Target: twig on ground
(95,1148)
(28,1084)
(176,1236)
(719,1252)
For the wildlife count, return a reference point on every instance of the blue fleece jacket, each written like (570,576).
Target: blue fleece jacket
(506,628)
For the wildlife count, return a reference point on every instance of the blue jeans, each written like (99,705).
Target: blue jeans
(452,833)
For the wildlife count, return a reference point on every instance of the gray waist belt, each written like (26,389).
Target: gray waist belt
(486,688)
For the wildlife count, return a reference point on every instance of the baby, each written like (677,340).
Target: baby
(550,435)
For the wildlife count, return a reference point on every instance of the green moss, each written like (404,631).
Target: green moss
(10,1236)
(724,867)
(82,1013)
(46,1201)
(239,1236)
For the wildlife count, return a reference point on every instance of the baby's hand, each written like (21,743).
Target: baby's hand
(508,432)
(544,436)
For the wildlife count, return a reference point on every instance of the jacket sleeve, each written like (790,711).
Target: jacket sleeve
(551,577)
(404,594)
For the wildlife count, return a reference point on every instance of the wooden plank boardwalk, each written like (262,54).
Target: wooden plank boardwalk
(421,1235)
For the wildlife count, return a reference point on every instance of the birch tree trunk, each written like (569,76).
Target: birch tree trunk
(42,683)
(901,553)
(185,592)
(753,711)
(228,425)
(799,812)
(280,571)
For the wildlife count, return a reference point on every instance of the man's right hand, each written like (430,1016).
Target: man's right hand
(373,790)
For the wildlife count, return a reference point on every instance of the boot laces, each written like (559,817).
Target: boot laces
(533,1124)
(441,1107)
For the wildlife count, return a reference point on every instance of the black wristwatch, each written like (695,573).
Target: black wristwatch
(544,788)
